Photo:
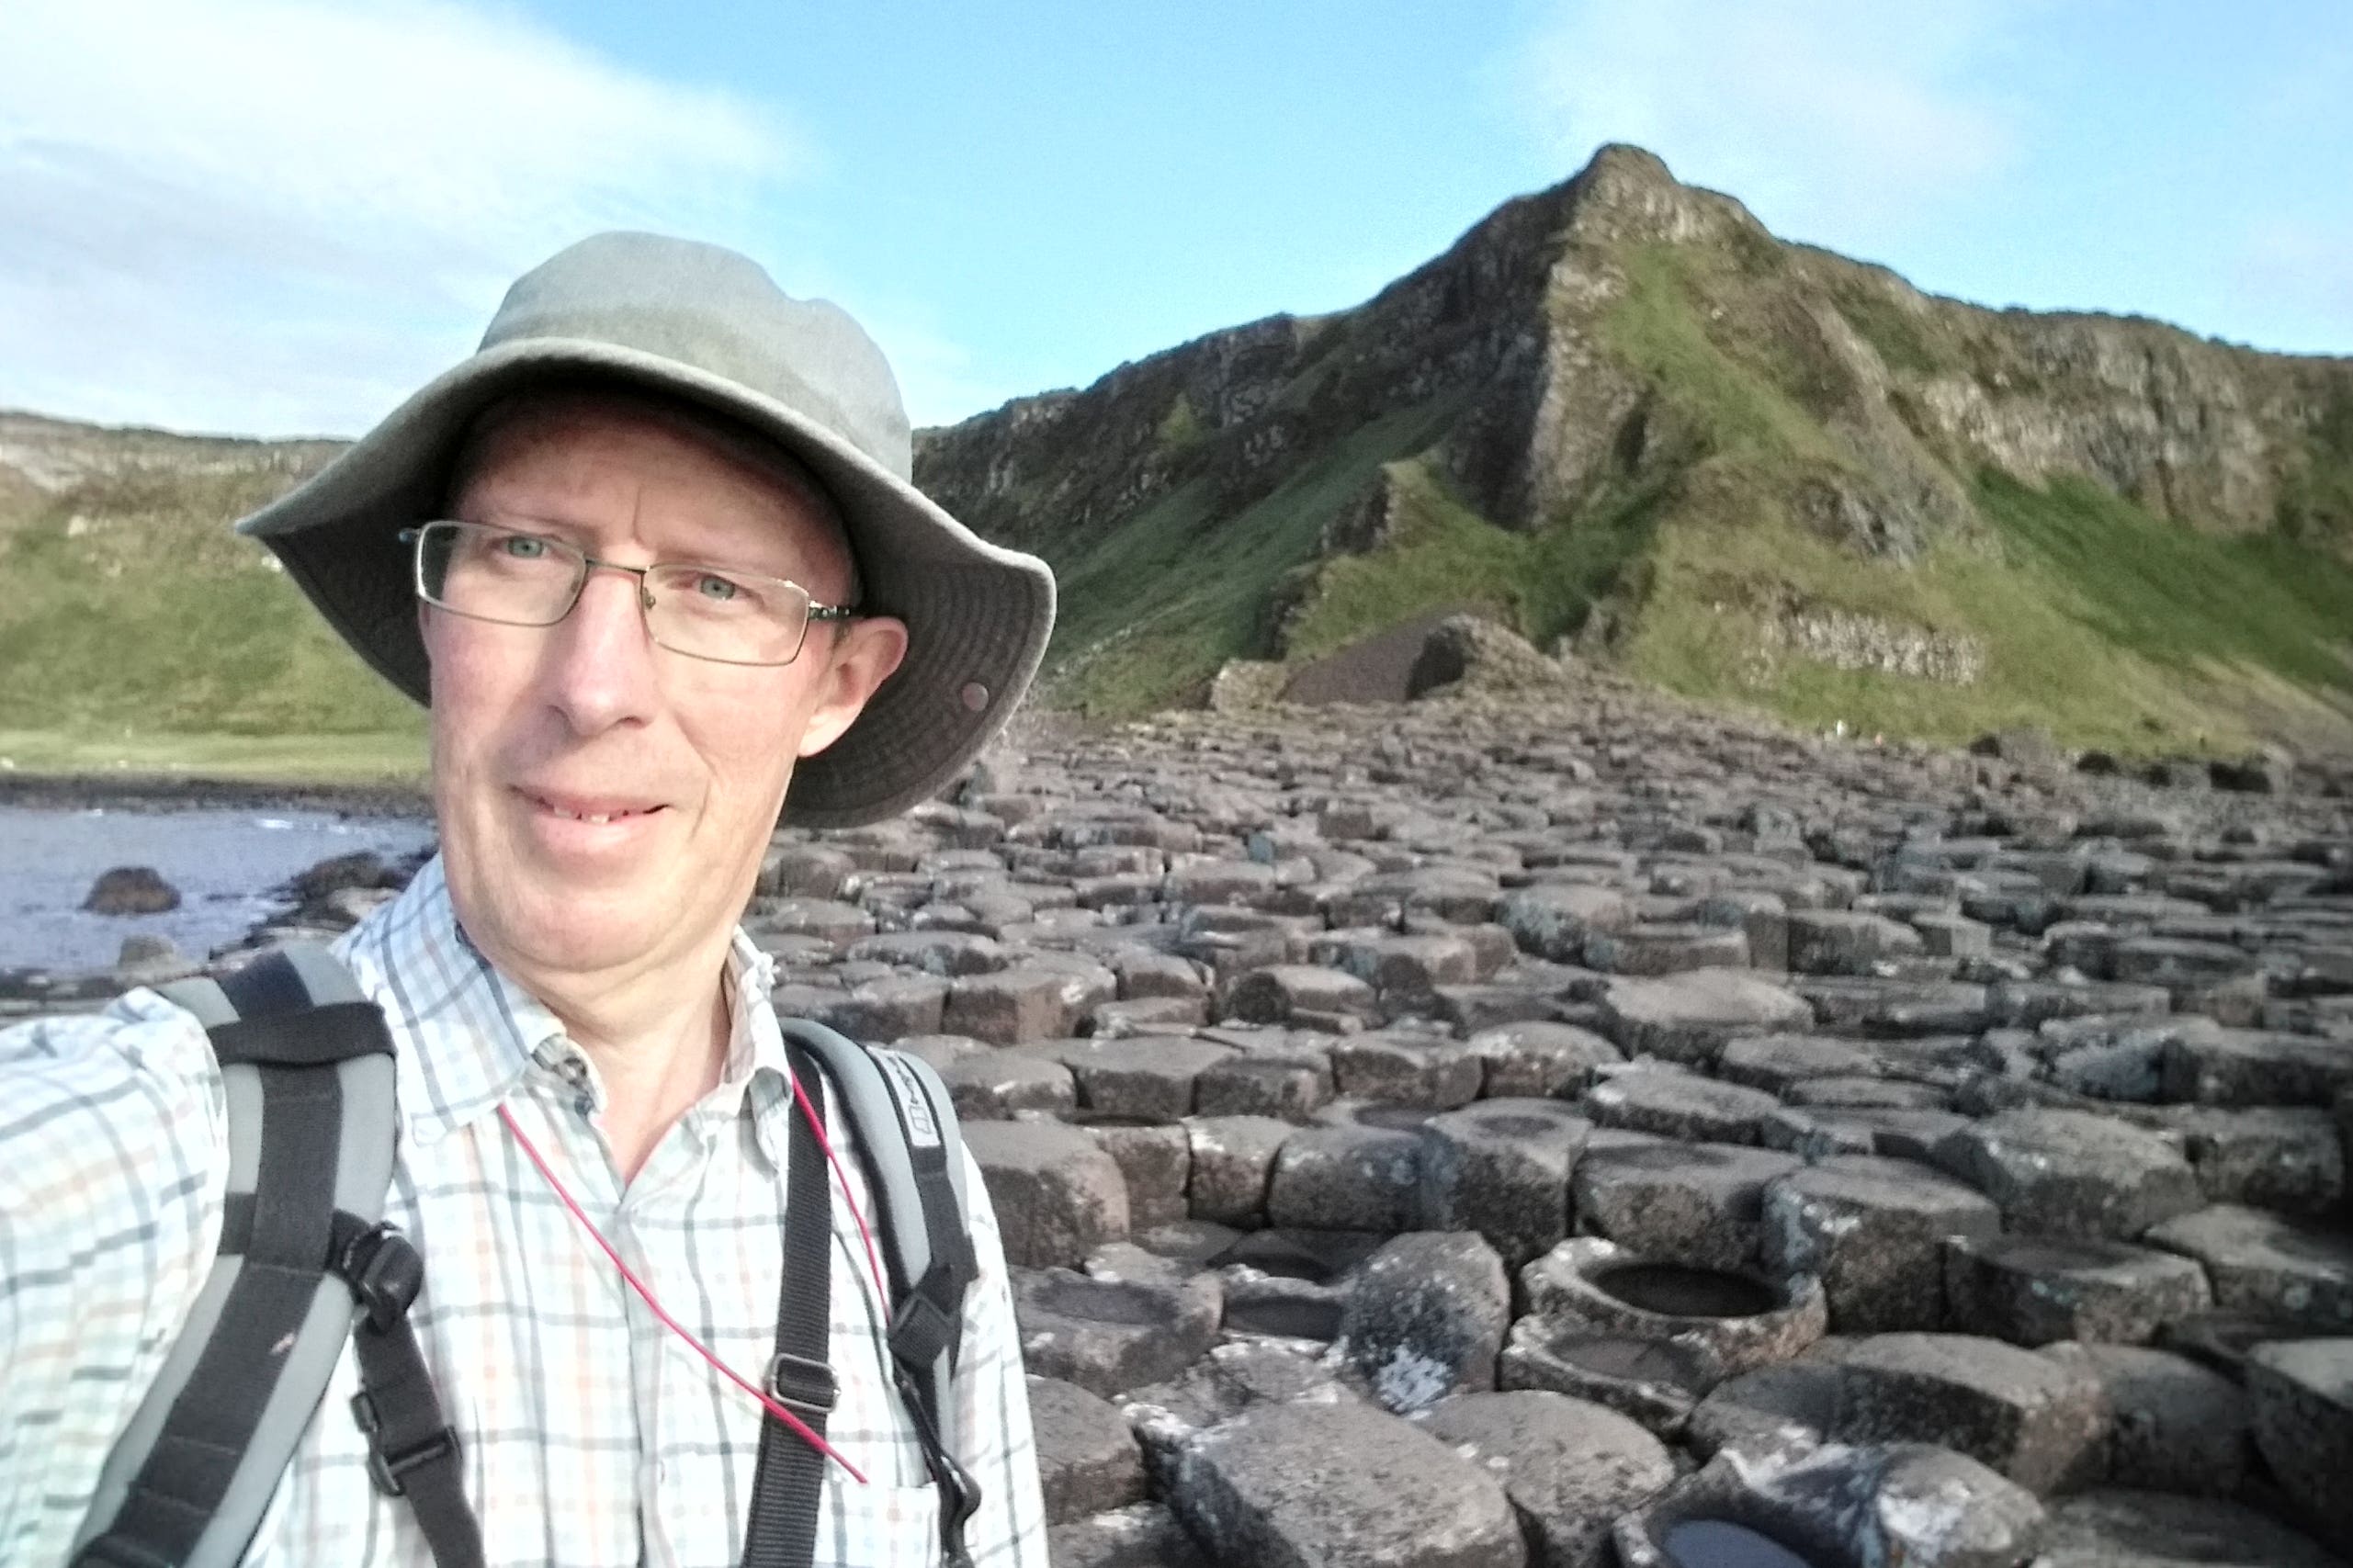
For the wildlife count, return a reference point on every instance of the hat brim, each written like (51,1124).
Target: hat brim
(978,616)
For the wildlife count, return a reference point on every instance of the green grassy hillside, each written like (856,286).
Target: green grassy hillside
(137,631)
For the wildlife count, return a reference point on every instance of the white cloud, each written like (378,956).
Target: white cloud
(279,215)
(1820,114)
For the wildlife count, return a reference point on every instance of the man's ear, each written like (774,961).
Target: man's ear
(865,654)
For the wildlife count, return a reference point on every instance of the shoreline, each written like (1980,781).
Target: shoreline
(164,792)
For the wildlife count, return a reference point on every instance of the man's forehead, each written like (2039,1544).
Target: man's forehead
(526,422)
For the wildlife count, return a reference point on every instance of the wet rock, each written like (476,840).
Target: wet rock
(2124,1528)
(1725,1320)
(2266,1264)
(1569,1467)
(1836,1507)
(1087,1458)
(131,890)
(1501,1167)
(1874,1231)
(2035,1421)
(1695,1203)
(1688,1018)
(1057,1195)
(2073,1173)
(2039,1290)
(1110,1336)
(2303,1393)
(1425,1319)
(1335,1483)
(2173,1425)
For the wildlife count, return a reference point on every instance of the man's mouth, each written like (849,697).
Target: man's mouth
(594,812)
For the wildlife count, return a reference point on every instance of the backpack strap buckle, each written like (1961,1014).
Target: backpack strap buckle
(385,1273)
(801,1384)
(388,1467)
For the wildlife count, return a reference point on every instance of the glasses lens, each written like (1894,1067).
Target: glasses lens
(496,574)
(733,617)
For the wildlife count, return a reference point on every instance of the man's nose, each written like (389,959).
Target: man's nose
(599,659)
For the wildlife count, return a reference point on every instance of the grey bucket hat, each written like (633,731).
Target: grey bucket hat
(708,326)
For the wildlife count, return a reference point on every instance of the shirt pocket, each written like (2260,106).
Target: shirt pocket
(884,1527)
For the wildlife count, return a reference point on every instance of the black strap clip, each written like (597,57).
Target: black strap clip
(390,1468)
(801,1383)
(385,1273)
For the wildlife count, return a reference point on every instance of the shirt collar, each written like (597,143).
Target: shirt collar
(466,1036)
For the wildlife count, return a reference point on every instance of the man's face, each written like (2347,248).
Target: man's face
(604,803)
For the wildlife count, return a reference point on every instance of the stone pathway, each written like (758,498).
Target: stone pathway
(1478,1134)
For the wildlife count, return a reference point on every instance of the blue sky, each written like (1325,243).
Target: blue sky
(278,216)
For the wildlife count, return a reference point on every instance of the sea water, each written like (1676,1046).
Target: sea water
(225,862)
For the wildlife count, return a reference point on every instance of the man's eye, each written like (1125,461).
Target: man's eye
(717,589)
(522,547)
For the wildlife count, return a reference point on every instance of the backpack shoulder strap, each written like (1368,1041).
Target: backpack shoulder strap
(307,1067)
(905,1128)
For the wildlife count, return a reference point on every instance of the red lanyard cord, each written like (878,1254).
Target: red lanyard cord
(768,1403)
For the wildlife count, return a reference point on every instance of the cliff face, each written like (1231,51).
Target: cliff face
(1599,380)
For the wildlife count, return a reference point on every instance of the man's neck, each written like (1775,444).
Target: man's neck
(659,1040)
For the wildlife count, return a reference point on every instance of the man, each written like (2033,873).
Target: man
(652,557)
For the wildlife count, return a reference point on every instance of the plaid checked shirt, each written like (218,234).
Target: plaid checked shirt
(592,1436)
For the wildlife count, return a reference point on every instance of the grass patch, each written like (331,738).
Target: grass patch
(1442,553)
(2107,625)
(1154,607)
(393,758)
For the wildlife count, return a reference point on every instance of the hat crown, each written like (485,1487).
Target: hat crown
(710,309)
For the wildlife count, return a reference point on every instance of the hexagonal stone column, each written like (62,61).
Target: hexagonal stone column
(2035,1421)
(1087,1458)
(1697,1204)
(1110,1336)
(1501,1167)
(2302,1393)
(1233,1161)
(1874,1231)
(2132,1528)
(2039,1290)
(2073,1172)
(1688,1018)
(2174,1426)
(2263,1263)
(1842,1508)
(1359,1174)
(1569,1466)
(1425,1318)
(1309,1483)
(1057,1195)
